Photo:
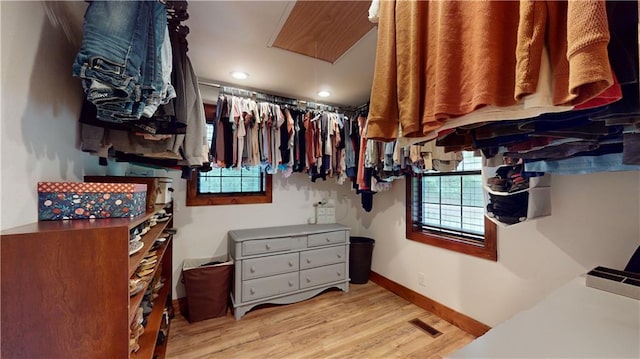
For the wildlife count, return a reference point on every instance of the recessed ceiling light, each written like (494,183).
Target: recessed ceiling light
(239,75)
(324,93)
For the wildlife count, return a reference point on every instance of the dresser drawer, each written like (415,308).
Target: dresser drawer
(321,239)
(322,275)
(322,257)
(269,286)
(266,266)
(272,245)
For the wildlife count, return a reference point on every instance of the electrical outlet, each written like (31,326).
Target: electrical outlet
(421,279)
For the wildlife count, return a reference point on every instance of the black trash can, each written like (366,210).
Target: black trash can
(360,251)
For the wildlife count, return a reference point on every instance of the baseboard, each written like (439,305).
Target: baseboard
(179,303)
(460,320)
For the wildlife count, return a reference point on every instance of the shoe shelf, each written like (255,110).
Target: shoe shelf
(510,202)
(534,182)
(148,339)
(65,288)
(161,348)
(136,300)
(161,272)
(148,240)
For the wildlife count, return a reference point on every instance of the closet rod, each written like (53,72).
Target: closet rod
(259,94)
(363,106)
(275,98)
(210,84)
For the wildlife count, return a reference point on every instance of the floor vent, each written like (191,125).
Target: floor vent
(433,332)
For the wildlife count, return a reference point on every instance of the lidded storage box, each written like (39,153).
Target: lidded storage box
(81,200)
(158,188)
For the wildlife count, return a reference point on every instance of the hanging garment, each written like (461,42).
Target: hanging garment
(309,140)
(577,34)
(536,104)
(435,60)
(253,132)
(195,146)
(416,88)
(119,59)
(178,36)
(610,162)
(374,11)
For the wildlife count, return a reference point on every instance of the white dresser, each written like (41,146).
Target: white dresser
(287,264)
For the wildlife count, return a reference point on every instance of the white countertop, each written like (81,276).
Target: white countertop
(575,321)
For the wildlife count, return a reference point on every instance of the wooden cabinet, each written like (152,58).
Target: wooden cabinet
(287,264)
(65,289)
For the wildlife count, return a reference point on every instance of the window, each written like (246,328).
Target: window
(446,209)
(222,186)
(248,180)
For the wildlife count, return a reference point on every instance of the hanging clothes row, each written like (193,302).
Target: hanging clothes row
(280,137)
(564,83)
(285,139)
(542,81)
(552,86)
(150,109)
(473,68)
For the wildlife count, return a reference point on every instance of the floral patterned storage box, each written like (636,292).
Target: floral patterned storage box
(83,200)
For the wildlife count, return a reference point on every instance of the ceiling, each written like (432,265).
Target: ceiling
(231,36)
(227,36)
(324,30)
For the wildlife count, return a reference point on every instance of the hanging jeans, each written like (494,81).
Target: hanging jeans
(119,60)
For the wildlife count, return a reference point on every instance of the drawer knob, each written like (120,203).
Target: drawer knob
(290,283)
(328,239)
(339,274)
(308,260)
(268,246)
(252,291)
(308,280)
(290,263)
(339,255)
(253,269)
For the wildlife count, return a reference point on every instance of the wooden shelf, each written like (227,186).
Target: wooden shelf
(65,288)
(136,300)
(161,349)
(148,240)
(147,340)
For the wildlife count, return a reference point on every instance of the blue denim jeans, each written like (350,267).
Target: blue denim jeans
(152,67)
(118,61)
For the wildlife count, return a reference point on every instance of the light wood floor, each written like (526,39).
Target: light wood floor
(366,322)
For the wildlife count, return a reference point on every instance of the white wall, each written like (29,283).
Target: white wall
(40,108)
(595,218)
(594,222)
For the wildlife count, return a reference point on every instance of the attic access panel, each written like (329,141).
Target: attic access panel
(324,30)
